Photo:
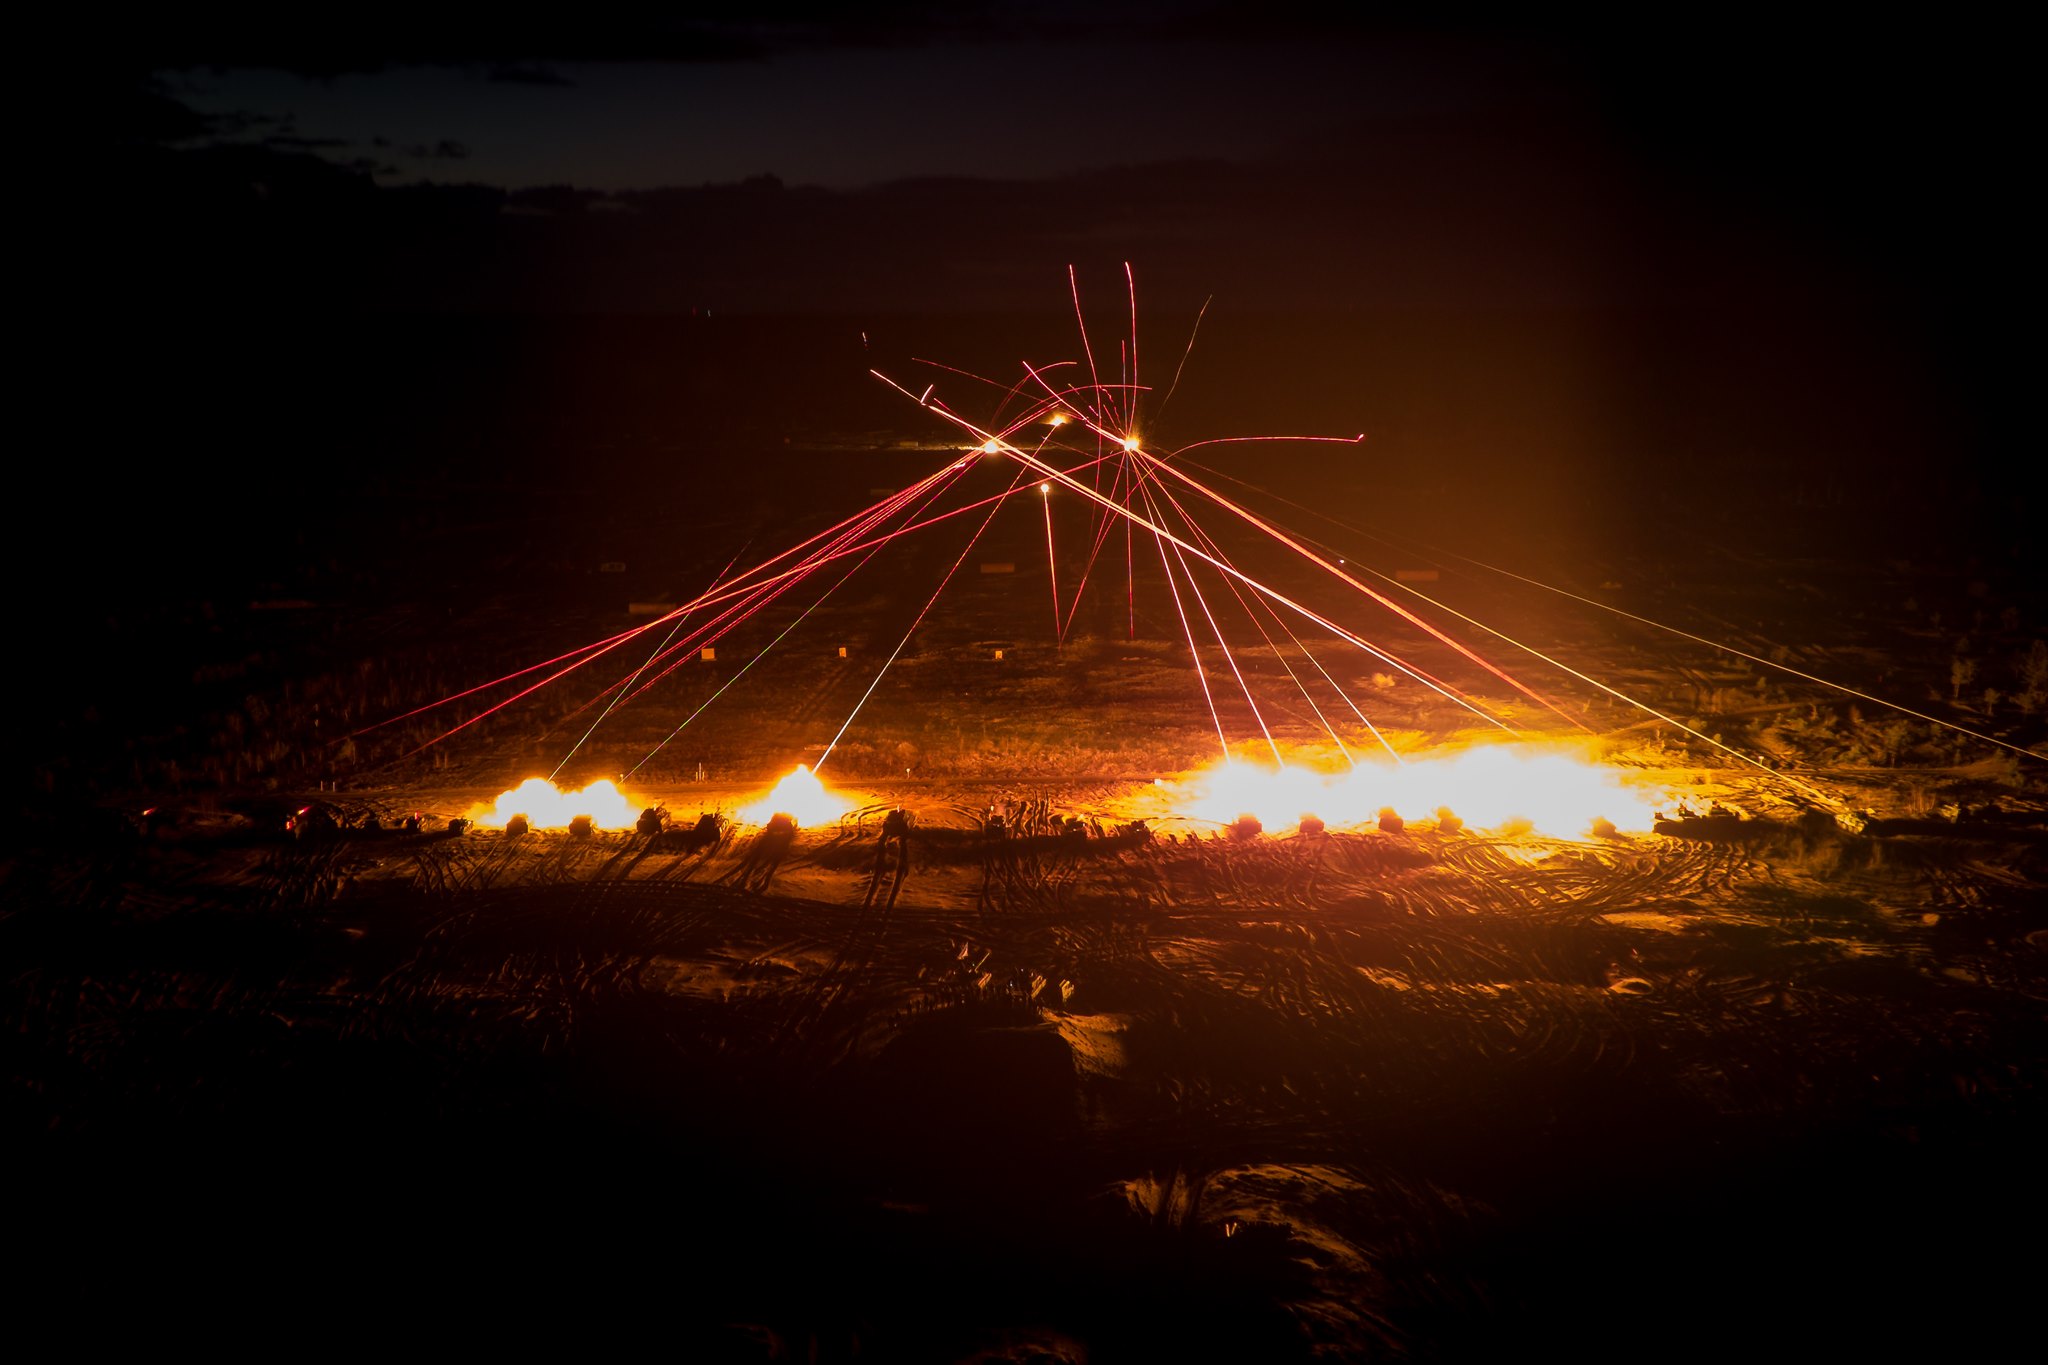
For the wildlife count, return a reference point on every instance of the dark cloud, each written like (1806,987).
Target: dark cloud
(290,142)
(552,199)
(241,122)
(528,74)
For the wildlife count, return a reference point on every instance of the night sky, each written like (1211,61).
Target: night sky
(1609,164)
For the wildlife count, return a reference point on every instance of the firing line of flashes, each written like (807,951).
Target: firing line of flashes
(1126,486)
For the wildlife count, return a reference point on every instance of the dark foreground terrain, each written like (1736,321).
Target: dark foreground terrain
(1767,1082)
(1762,1081)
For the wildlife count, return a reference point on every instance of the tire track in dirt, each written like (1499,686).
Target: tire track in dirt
(1475,967)
(561,959)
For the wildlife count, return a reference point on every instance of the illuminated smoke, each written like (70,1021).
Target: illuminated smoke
(801,796)
(1557,790)
(545,806)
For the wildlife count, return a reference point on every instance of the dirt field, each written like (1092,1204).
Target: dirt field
(1767,1081)
(1358,1095)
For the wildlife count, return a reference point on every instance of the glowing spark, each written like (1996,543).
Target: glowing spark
(1131,281)
(802,797)
(995,506)
(1094,376)
(1548,790)
(1251,608)
(1380,598)
(1741,654)
(1223,645)
(1194,653)
(1052,563)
